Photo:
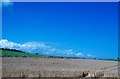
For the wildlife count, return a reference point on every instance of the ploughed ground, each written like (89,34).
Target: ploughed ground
(57,67)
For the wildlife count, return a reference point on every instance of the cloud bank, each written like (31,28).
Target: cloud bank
(41,48)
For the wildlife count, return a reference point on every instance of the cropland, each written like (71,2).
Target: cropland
(39,66)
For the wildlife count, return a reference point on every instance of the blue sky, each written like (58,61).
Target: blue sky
(90,28)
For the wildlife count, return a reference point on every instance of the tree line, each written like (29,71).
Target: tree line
(10,49)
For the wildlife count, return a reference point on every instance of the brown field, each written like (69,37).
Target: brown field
(55,67)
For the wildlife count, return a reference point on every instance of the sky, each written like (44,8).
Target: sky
(76,27)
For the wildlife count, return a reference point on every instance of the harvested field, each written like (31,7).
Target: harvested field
(55,67)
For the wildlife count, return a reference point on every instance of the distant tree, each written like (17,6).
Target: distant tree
(62,57)
(36,53)
(10,49)
(118,58)
(24,56)
(94,58)
(83,57)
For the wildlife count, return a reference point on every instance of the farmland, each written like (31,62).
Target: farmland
(21,64)
(56,67)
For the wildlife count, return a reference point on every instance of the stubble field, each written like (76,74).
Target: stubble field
(56,67)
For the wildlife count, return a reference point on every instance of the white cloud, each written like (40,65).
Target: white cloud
(40,47)
(6,3)
(80,54)
(69,52)
(6,0)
